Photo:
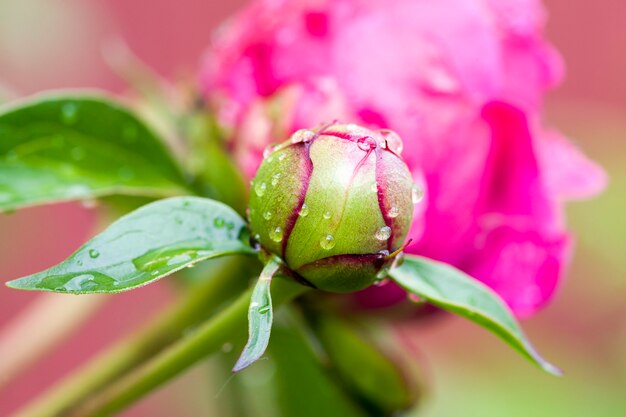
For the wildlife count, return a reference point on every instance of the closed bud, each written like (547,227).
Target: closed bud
(334,204)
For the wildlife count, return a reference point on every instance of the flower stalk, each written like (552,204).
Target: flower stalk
(122,357)
(225,327)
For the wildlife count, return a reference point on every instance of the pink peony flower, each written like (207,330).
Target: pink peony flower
(461,81)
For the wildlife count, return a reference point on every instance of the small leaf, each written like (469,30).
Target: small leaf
(60,148)
(452,290)
(260,316)
(370,373)
(145,245)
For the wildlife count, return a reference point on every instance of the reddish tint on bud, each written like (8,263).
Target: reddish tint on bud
(334,204)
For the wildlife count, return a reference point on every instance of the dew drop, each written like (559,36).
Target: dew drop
(327,242)
(218,222)
(281,156)
(93,253)
(265,309)
(393,142)
(69,113)
(393,212)
(302,136)
(304,210)
(276,234)
(275,179)
(383,233)
(327,215)
(260,188)
(267,215)
(417,194)
(84,282)
(366,143)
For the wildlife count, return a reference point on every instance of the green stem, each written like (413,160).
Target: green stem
(225,327)
(199,301)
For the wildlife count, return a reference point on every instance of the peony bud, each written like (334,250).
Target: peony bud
(335,205)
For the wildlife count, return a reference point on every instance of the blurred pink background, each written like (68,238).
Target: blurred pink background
(57,44)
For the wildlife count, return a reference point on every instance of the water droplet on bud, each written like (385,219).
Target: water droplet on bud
(383,233)
(304,210)
(393,212)
(302,136)
(93,253)
(260,188)
(417,194)
(277,234)
(392,141)
(281,156)
(327,242)
(366,143)
(219,222)
(275,179)
(267,215)
(327,215)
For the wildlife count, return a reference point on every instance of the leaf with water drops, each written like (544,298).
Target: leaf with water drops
(450,289)
(260,317)
(146,245)
(79,147)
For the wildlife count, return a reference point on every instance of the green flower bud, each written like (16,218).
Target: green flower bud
(335,204)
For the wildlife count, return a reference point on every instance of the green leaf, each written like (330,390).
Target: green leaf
(370,374)
(60,148)
(260,316)
(452,290)
(146,245)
